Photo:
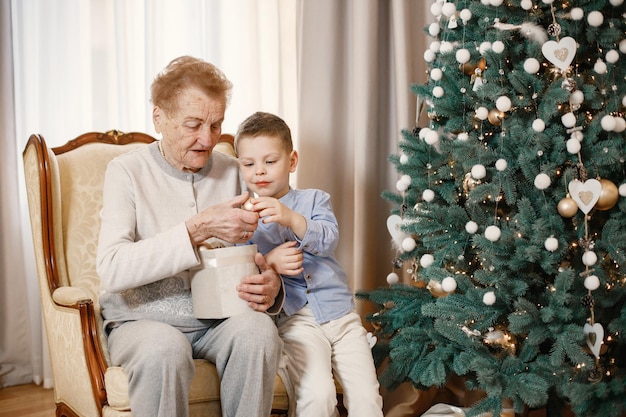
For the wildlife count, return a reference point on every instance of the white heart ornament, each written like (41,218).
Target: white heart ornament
(585,194)
(560,54)
(371,339)
(595,337)
(394,222)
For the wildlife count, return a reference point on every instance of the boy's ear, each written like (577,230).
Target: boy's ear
(293,161)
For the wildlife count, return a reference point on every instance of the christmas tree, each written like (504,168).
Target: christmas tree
(509,214)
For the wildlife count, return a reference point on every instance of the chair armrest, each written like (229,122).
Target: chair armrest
(70,296)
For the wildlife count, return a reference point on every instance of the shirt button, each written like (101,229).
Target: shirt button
(308,291)
(308,276)
(192,204)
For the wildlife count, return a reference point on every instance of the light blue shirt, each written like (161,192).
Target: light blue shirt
(323,284)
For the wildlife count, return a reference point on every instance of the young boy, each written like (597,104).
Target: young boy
(298,233)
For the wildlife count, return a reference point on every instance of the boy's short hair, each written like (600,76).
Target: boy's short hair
(261,123)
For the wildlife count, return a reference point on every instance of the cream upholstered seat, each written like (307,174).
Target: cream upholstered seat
(64,187)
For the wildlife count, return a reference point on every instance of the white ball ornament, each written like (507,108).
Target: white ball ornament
(577,97)
(484,47)
(448,284)
(436,74)
(624,101)
(463,136)
(426,260)
(406,179)
(608,123)
(438,91)
(393,278)
(592,282)
(408,244)
(595,18)
(542,181)
(489,298)
(600,67)
(526,4)
(401,186)
(428,195)
(462,55)
(465,15)
(435,9)
(539,125)
(404,159)
(612,56)
(568,120)
(482,113)
(547,1)
(616,2)
(448,9)
(620,125)
(496,3)
(423,131)
(577,13)
(503,103)
(492,233)
(446,47)
(589,258)
(551,244)
(573,146)
(622,190)
(434,29)
(622,46)
(479,171)
(484,2)
(578,135)
(497,47)
(471,227)
(531,65)
(501,164)
(431,137)
(429,56)
(435,46)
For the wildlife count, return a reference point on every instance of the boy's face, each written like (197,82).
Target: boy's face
(265,165)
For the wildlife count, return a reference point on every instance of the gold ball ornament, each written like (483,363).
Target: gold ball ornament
(567,207)
(467,68)
(495,117)
(608,195)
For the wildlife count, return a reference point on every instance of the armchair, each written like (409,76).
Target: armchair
(64,187)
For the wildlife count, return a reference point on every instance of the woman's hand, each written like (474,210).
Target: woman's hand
(260,290)
(226,221)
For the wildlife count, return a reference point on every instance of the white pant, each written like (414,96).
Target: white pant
(314,352)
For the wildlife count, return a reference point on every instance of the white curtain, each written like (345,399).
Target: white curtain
(338,72)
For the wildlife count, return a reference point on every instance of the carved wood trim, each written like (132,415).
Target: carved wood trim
(114,137)
(63,410)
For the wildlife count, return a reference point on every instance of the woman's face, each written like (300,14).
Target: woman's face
(191,129)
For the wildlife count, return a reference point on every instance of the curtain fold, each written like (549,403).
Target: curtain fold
(356,64)
(18,356)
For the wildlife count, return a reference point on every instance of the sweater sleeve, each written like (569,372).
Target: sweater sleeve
(126,259)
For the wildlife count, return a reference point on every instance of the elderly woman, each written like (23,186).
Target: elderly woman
(159,204)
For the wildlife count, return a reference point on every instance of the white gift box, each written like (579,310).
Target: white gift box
(214,282)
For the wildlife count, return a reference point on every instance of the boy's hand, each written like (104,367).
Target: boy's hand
(286,259)
(273,211)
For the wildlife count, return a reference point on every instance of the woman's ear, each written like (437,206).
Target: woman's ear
(156,118)
(293,161)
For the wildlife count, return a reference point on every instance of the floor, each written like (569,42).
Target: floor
(26,401)
(31,401)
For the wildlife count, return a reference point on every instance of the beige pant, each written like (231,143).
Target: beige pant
(314,352)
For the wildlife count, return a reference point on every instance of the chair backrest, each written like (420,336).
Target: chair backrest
(71,181)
